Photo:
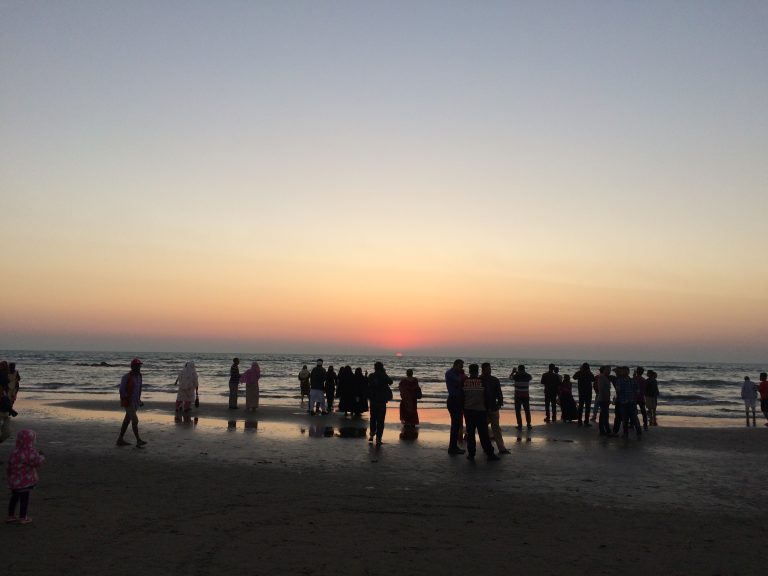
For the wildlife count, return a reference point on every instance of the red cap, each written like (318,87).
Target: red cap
(135,362)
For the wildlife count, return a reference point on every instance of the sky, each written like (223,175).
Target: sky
(540,179)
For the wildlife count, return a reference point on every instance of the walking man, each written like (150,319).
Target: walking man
(130,399)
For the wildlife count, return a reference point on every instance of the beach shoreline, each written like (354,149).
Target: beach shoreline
(205,497)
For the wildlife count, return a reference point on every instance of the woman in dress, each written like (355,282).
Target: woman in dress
(251,380)
(360,383)
(410,392)
(187,382)
(568,410)
(346,390)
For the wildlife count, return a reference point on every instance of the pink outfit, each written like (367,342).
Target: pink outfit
(251,379)
(24,462)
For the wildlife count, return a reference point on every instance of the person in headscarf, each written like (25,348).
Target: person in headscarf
(346,390)
(251,380)
(410,392)
(331,380)
(360,384)
(188,383)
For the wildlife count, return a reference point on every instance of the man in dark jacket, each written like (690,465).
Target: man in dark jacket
(585,378)
(551,382)
(379,393)
(495,400)
(317,388)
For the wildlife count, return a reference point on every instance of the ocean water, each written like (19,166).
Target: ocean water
(687,389)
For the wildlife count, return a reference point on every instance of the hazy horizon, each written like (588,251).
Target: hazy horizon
(550,178)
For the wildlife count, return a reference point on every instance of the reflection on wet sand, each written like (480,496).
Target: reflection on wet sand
(248,425)
(320,430)
(185,419)
(409,432)
(524,436)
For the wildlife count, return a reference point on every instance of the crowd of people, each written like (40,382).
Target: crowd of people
(474,399)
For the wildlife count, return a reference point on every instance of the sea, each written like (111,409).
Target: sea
(698,389)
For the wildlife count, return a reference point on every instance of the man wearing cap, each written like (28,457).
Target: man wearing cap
(130,399)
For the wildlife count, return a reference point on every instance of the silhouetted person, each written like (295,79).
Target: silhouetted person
(130,400)
(652,396)
(476,402)
(317,388)
(604,400)
(584,378)
(454,383)
(749,395)
(410,393)
(627,389)
(496,398)
(522,381)
(551,382)
(641,386)
(330,387)
(345,390)
(379,393)
(234,383)
(361,392)
(303,382)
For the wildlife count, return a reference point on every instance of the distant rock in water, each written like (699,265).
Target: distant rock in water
(99,365)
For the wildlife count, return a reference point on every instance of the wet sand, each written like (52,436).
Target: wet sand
(280,492)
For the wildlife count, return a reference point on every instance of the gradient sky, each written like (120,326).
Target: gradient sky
(550,179)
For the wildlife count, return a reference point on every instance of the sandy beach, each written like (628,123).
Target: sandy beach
(280,492)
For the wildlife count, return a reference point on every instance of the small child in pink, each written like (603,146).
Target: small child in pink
(22,474)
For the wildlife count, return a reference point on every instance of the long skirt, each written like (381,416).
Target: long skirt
(251,396)
(568,409)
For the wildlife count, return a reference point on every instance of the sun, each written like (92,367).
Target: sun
(399,354)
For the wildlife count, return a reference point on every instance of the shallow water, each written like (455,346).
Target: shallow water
(697,389)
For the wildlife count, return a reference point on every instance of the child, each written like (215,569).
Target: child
(22,474)
(749,395)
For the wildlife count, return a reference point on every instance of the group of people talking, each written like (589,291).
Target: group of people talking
(475,399)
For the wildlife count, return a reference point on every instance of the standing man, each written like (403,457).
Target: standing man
(604,399)
(234,383)
(476,414)
(522,381)
(454,383)
(495,401)
(551,382)
(641,386)
(585,378)
(130,399)
(317,388)
(627,400)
